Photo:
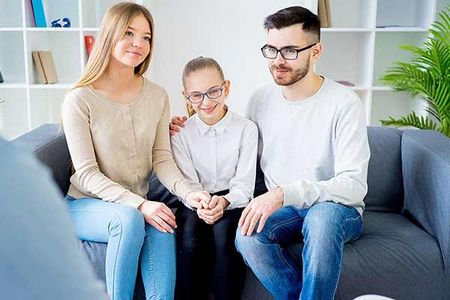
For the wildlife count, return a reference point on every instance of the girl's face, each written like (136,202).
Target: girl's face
(134,46)
(206,92)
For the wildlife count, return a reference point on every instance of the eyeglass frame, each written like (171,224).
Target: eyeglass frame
(206,94)
(281,53)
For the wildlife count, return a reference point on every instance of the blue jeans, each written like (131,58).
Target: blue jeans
(130,242)
(326,226)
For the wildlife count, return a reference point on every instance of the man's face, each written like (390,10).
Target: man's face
(287,72)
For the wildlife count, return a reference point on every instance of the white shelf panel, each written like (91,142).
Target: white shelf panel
(8,29)
(45,106)
(51,29)
(12,85)
(93,29)
(346,29)
(12,64)
(401,29)
(13,113)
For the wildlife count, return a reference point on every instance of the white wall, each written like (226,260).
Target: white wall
(229,31)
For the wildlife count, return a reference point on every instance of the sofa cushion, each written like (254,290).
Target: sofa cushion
(393,257)
(385,181)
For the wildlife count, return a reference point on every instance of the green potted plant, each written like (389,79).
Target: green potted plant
(428,76)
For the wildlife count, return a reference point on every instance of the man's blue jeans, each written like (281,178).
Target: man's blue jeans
(326,226)
(130,242)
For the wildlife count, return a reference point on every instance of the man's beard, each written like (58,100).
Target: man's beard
(296,76)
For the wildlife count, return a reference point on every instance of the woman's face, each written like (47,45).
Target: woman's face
(134,46)
(207,81)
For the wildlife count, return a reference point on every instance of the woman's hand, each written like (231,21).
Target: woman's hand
(175,124)
(214,211)
(158,215)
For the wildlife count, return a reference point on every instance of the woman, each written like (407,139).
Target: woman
(115,122)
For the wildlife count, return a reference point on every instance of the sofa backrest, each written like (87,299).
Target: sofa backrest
(385,180)
(49,145)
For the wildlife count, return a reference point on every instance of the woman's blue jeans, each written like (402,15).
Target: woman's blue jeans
(325,227)
(130,242)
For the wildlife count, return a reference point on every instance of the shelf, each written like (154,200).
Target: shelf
(382,88)
(54,9)
(12,64)
(51,29)
(346,51)
(12,16)
(12,85)
(66,58)
(9,29)
(406,13)
(13,113)
(352,13)
(346,29)
(388,51)
(401,29)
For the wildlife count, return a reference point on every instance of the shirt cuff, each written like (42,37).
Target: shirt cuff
(235,200)
(292,194)
(132,200)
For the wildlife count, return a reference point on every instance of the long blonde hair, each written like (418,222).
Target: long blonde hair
(113,27)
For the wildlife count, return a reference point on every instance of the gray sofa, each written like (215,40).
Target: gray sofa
(404,252)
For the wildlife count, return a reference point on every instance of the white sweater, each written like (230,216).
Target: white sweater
(315,149)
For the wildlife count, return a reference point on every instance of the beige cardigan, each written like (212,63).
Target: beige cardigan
(115,146)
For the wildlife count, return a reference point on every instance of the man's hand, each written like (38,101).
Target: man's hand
(198,200)
(214,211)
(259,210)
(175,124)
(158,215)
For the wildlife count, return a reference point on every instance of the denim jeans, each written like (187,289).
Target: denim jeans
(130,242)
(325,227)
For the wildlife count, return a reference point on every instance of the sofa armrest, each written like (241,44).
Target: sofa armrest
(426,180)
(49,145)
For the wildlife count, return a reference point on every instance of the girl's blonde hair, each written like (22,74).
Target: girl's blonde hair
(113,27)
(196,64)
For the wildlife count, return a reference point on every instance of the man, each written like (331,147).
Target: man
(39,255)
(314,154)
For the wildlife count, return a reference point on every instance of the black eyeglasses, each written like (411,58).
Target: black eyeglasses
(214,93)
(287,53)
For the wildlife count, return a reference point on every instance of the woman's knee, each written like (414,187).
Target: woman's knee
(128,221)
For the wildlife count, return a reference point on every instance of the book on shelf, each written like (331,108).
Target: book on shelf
(324,12)
(45,67)
(89,41)
(38,13)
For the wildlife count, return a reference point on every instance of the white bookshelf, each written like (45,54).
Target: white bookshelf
(364,41)
(24,103)
(355,50)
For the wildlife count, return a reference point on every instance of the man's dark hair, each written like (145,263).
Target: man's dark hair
(295,15)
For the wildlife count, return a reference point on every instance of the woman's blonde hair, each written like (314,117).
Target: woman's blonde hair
(197,64)
(113,27)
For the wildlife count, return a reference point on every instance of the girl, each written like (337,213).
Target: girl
(115,122)
(217,150)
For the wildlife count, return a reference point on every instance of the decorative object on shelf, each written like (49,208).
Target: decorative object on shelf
(45,66)
(1,77)
(89,41)
(427,75)
(38,13)
(64,22)
(324,12)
